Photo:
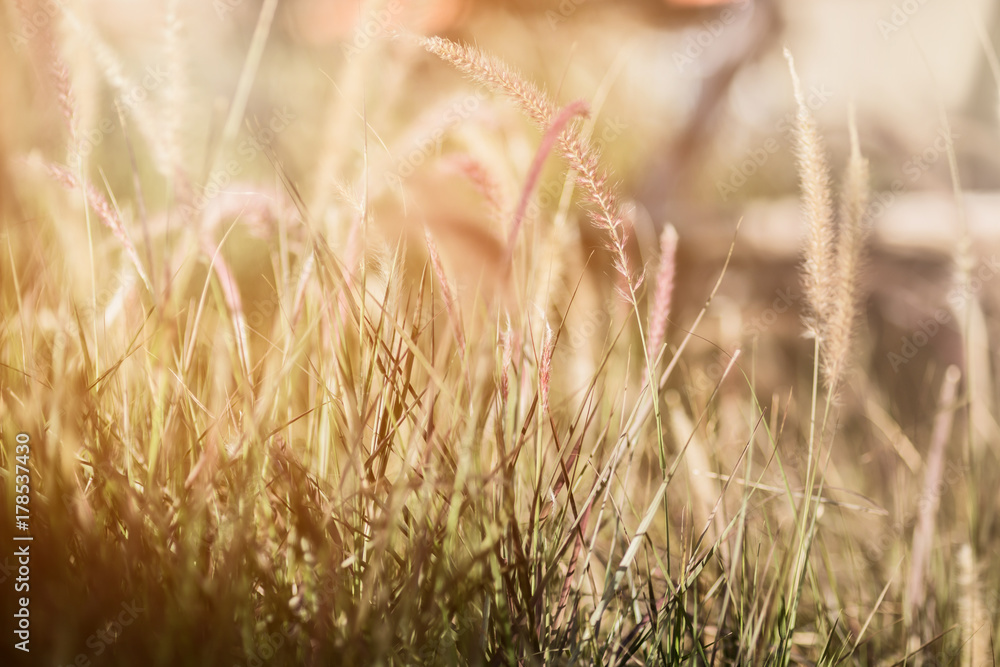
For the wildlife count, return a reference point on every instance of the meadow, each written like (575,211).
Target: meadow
(333,337)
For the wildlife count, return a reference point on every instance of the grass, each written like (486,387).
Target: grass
(258,437)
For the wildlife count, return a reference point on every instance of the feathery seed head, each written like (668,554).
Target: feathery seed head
(105,213)
(507,344)
(852,233)
(664,291)
(814,174)
(545,368)
(605,210)
(448,297)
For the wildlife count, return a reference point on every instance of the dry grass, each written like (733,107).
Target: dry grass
(274,432)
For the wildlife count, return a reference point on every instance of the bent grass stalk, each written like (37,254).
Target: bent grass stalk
(555,130)
(372,497)
(605,211)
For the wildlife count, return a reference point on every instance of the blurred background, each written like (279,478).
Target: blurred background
(345,116)
(691,105)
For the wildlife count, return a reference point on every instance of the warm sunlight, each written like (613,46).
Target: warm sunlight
(499,332)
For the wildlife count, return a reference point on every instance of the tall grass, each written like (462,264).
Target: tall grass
(352,465)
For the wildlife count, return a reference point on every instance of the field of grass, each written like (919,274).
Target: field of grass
(330,383)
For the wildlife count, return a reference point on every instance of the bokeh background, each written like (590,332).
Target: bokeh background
(692,108)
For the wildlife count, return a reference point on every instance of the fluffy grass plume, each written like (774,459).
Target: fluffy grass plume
(664,290)
(294,447)
(607,212)
(852,233)
(819,276)
(834,246)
